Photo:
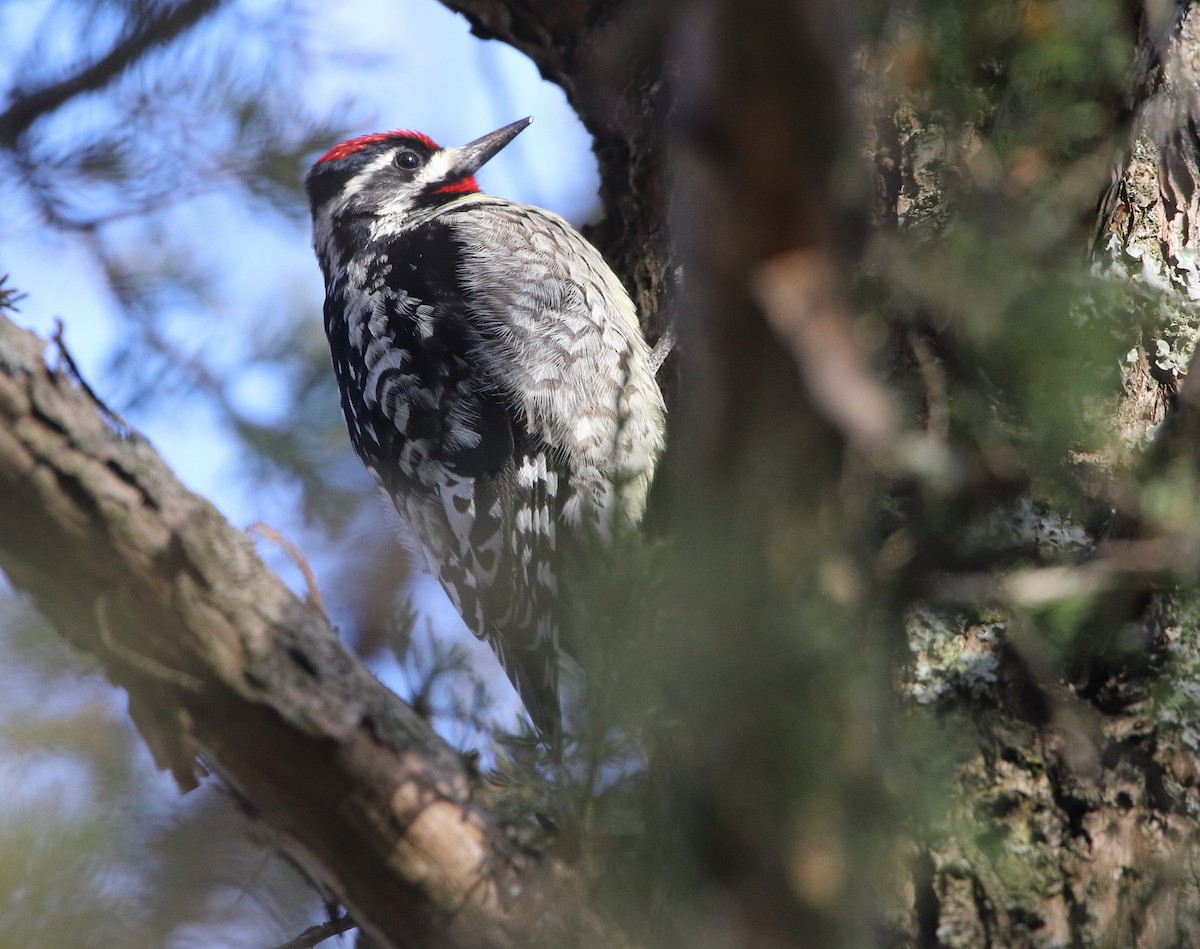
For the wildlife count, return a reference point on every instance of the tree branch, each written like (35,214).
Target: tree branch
(27,108)
(221,659)
(315,935)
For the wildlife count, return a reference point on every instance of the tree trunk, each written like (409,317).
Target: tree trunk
(1075,820)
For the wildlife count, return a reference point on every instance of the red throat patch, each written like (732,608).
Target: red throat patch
(466,185)
(358,144)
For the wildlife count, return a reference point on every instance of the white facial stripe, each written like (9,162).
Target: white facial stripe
(439,166)
(395,210)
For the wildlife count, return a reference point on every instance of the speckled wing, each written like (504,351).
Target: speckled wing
(428,418)
(564,343)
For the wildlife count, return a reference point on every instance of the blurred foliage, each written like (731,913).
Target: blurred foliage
(1007,117)
(96,847)
(9,296)
(145,173)
(780,671)
(1040,75)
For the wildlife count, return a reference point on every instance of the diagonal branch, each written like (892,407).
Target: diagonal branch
(27,108)
(221,659)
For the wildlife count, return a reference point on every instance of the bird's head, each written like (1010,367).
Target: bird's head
(396,174)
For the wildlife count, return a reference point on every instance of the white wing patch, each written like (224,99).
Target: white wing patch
(458,504)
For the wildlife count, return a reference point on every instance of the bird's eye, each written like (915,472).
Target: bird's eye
(406,158)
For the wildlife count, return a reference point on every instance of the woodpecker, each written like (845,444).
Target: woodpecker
(494,379)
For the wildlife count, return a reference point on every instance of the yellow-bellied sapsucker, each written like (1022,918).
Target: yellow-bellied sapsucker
(493,377)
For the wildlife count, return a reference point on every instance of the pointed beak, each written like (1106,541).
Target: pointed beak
(468,159)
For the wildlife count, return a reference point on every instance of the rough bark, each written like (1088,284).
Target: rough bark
(1074,822)
(1075,818)
(223,663)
